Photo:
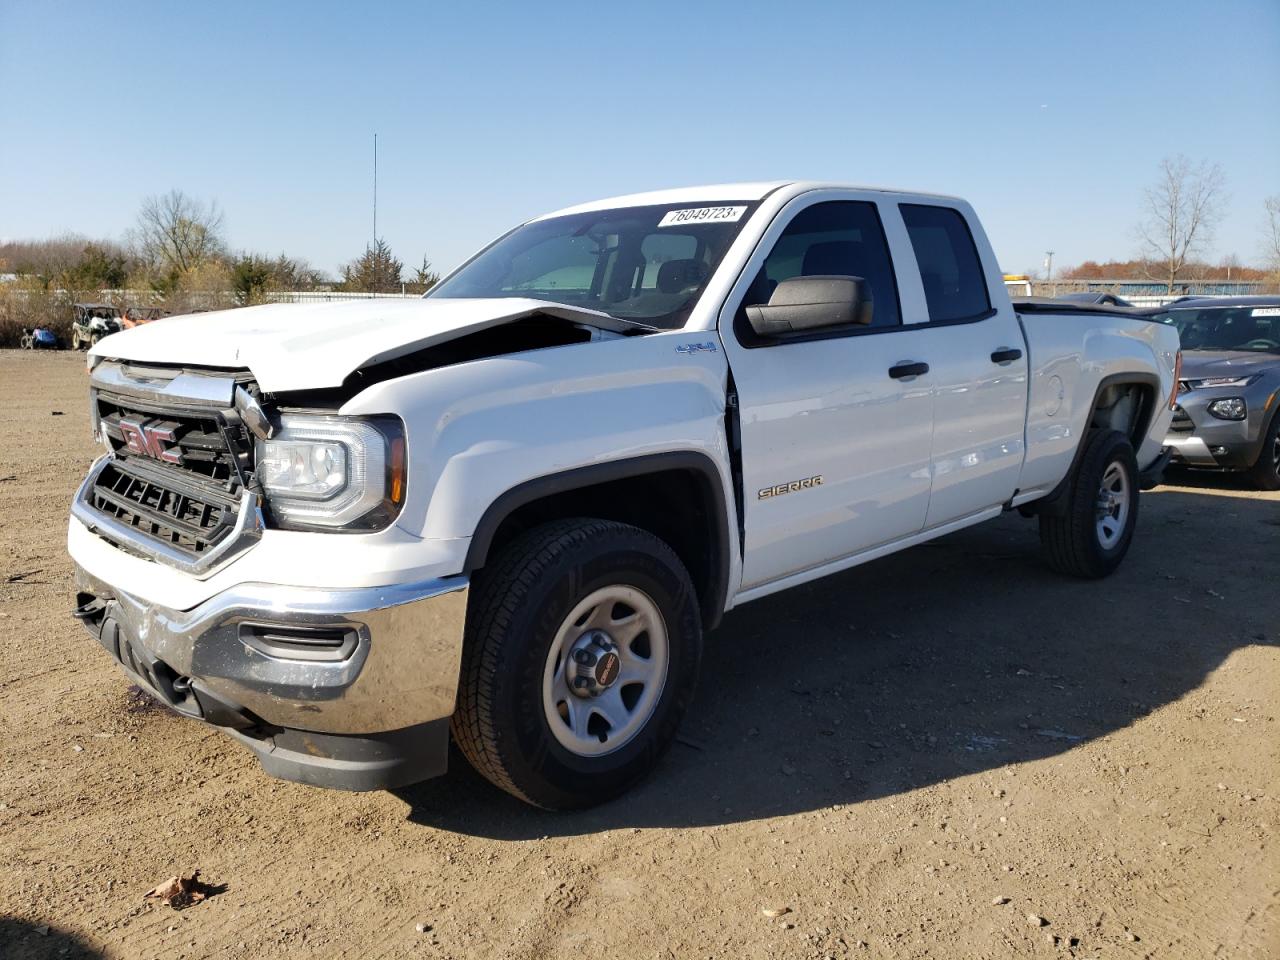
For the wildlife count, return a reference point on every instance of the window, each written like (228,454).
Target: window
(1227,328)
(955,287)
(840,238)
(635,263)
(660,248)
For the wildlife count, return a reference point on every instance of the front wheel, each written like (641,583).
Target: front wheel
(582,651)
(1265,473)
(1091,533)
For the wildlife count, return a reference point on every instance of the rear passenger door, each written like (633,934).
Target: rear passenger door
(835,447)
(977,357)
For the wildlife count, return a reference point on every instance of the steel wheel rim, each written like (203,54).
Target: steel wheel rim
(601,718)
(1113,505)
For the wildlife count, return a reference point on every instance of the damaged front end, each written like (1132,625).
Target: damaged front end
(347,688)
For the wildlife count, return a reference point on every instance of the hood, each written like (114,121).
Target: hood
(305,346)
(1200,364)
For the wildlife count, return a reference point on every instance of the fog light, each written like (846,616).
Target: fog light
(1229,408)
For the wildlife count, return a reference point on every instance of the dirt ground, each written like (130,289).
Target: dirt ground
(912,759)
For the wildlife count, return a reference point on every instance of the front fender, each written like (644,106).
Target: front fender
(478,430)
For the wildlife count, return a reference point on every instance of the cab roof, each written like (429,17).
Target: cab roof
(725,193)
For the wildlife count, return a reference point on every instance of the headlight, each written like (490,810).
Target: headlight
(1223,381)
(1229,408)
(332,472)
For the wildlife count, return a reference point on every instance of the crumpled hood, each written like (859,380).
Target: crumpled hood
(1200,364)
(305,346)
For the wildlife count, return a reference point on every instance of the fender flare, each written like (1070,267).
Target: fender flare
(700,464)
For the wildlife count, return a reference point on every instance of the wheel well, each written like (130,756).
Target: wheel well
(1126,407)
(682,506)
(1121,403)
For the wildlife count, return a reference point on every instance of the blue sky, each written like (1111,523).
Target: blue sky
(1049,118)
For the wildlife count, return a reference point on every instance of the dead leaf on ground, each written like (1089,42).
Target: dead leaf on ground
(182,892)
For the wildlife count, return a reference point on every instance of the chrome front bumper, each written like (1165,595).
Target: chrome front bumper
(368,713)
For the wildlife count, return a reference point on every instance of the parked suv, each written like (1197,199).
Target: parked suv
(510,510)
(1228,414)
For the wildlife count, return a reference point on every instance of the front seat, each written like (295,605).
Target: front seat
(675,276)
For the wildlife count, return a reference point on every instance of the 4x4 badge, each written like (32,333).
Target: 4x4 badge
(708,347)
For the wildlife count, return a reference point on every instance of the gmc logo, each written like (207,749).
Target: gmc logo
(148,440)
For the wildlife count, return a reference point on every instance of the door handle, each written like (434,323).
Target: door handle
(1006,355)
(900,371)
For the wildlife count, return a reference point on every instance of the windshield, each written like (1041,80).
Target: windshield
(646,264)
(1227,328)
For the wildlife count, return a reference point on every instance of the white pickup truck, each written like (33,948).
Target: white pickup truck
(511,509)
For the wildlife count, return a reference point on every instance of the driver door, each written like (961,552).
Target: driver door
(835,443)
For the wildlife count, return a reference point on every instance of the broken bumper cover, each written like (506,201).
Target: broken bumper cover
(351,689)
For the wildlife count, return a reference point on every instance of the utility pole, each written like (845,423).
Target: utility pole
(1048,265)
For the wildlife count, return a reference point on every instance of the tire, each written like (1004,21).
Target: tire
(75,339)
(1265,473)
(525,645)
(1078,539)
(94,338)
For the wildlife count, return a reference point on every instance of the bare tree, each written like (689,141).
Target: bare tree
(177,233)
(1271,234)
(1181,211)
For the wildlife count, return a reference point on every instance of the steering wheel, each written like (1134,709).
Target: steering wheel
(1262,343)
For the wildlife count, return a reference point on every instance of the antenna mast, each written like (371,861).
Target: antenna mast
(375,189)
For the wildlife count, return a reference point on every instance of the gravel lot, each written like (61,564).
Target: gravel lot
(912,759)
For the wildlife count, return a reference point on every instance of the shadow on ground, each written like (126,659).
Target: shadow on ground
(24,940)
(1208,479)
(949,659)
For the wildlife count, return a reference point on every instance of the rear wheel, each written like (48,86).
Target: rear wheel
(582,650)
(1265,473)
(75,339)
(1090,535)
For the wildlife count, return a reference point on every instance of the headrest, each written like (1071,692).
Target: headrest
(676,275)
(835,258)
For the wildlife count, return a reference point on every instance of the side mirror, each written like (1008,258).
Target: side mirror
(802,304)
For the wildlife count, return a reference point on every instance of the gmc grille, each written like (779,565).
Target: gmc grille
(190,520)
(198,438)
(188,501)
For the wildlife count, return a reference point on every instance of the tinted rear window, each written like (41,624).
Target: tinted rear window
(955,287)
